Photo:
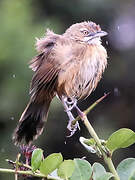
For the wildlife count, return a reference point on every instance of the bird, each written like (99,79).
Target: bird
(68,66)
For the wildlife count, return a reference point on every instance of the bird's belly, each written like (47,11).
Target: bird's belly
(87,79)
(80,80)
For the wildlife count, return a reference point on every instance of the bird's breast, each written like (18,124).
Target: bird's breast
(83,74)
(92,66)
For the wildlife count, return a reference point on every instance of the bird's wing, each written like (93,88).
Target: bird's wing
(45,67)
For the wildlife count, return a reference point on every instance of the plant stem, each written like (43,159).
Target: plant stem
(16,169)
(91,107)
(28,173)
(111,167)
(107,159)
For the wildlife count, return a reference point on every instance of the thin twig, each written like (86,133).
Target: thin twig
(29,173)
(22,165)
(91,107)
(16,167)
(19,163)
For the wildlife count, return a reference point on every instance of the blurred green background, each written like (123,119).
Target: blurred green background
(23,20)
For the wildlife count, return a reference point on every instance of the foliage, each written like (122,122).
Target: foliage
(80,169)
(120,139)
(54,167)
(126,169)
(36,159)
(100,172)
(83,170)
(50,163)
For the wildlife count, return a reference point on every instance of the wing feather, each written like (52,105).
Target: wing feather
(44,65)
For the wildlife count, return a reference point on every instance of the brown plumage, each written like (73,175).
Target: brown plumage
(69,66)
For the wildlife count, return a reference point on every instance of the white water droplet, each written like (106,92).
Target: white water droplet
(12,118)
(116,92)
(14,75)
(106,42)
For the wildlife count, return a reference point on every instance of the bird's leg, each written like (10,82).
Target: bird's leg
(72,128)
(71,103)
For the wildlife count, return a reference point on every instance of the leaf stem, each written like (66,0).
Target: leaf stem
(106,158)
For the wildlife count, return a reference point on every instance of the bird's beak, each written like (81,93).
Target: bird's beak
(94,35)
(98,34)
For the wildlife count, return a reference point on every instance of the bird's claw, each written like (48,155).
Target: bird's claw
(72,128)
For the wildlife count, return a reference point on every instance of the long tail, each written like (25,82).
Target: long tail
(31,123)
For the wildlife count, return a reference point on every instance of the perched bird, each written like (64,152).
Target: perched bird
(68,66)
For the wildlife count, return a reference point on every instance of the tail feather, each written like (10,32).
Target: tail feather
(31,123)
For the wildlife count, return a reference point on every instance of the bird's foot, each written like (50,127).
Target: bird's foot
(72,127)
(69,104)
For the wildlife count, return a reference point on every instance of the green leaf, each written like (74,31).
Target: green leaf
(50,163)
(120,139)
(90,141)
(66,169)
(132,176)
(126,169)
(99,172)
(36,159)
(83,170)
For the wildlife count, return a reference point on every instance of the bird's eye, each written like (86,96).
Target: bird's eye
(85,32)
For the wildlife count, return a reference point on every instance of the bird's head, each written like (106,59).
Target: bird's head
(85,32)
